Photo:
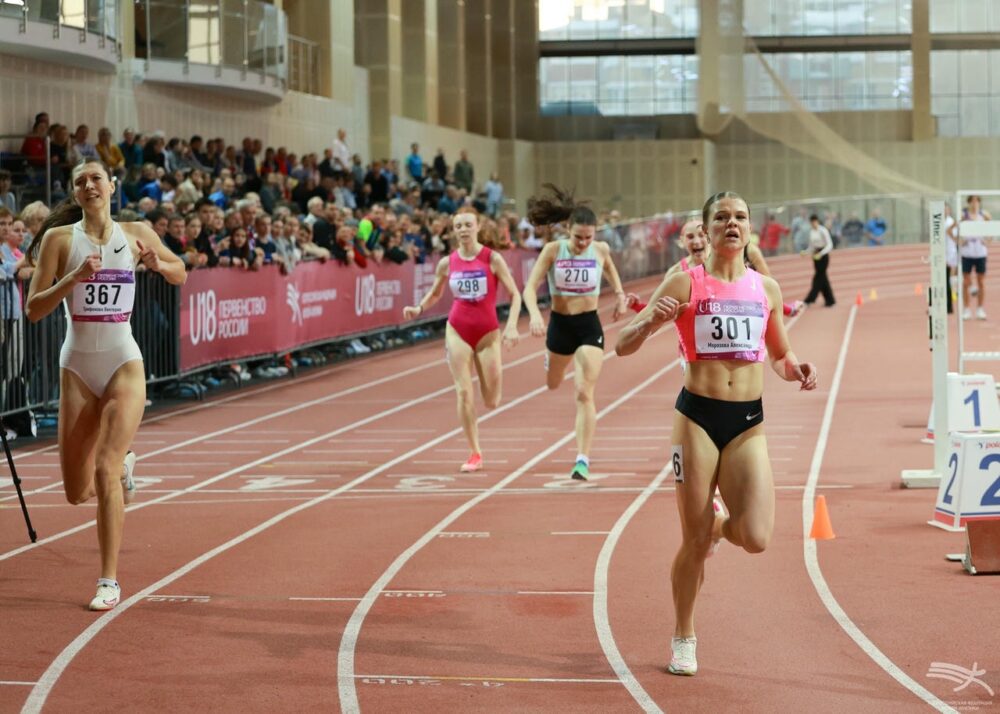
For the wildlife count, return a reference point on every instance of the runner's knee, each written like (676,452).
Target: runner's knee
(754,537)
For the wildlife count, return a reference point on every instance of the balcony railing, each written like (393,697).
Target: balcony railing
(98,17)
(303,62)
(242,35)
(96,21)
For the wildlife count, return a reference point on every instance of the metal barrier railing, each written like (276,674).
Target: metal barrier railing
(29,369)
(30,354)
(845,216)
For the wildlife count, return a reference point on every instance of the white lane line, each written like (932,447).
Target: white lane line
(602,621)
(489,462)
(555,592)
(526,680)
(207,464)
(254,391)
(287,475)
(40,692)
(809,545)
(247,394)
(239,469)
(250,442)
(579,532)
(629,449)
(227,430)
(360,440)
(349,451)
(666,427)
(271,432)
(387,430)
(634,437)
(368,493)
(47,681)
(345,658)
(517,439)
(18,684)
(274,455)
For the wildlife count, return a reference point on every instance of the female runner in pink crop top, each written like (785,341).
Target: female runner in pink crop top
(472,335)
(728,320)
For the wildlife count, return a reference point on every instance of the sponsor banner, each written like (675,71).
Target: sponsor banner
(229,314)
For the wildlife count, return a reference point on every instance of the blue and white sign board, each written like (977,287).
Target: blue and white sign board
(970,489)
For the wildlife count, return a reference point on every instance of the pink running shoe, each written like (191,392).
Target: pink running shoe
(475,463)
(720,512)
(797,307)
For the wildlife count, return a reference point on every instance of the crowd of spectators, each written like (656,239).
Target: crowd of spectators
(218,205)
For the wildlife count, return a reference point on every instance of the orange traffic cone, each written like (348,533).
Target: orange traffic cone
(821,528)
(859,301)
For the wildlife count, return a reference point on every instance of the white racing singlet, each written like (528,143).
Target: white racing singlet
(98,309)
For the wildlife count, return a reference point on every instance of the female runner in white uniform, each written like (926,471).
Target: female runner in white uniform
(87,260)
(574,268)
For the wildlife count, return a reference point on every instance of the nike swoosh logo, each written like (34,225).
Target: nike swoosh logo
(119,250)
(751,417)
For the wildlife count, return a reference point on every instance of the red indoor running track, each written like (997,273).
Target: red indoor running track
(309,545)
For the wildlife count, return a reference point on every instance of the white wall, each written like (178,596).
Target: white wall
(638,178)
(483,150)
(72,96)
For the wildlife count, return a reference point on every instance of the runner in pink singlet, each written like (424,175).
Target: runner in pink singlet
(729,322)
(472,335)
(473,284)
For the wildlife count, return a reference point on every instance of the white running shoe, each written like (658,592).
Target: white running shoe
(683,659)
(128,483)
(106,598)
(980,313)
(967,314)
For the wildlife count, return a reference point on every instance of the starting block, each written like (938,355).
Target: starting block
(982,547)
(970,490)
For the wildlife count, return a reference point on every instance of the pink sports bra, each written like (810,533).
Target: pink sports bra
(724,320)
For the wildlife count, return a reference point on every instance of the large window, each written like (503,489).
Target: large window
(965,15)
(616,19)
(965,92)
(832,81)
(651,85)
(619,85)
(827,17)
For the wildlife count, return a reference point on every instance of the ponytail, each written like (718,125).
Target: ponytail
(64,214)
(558,207)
